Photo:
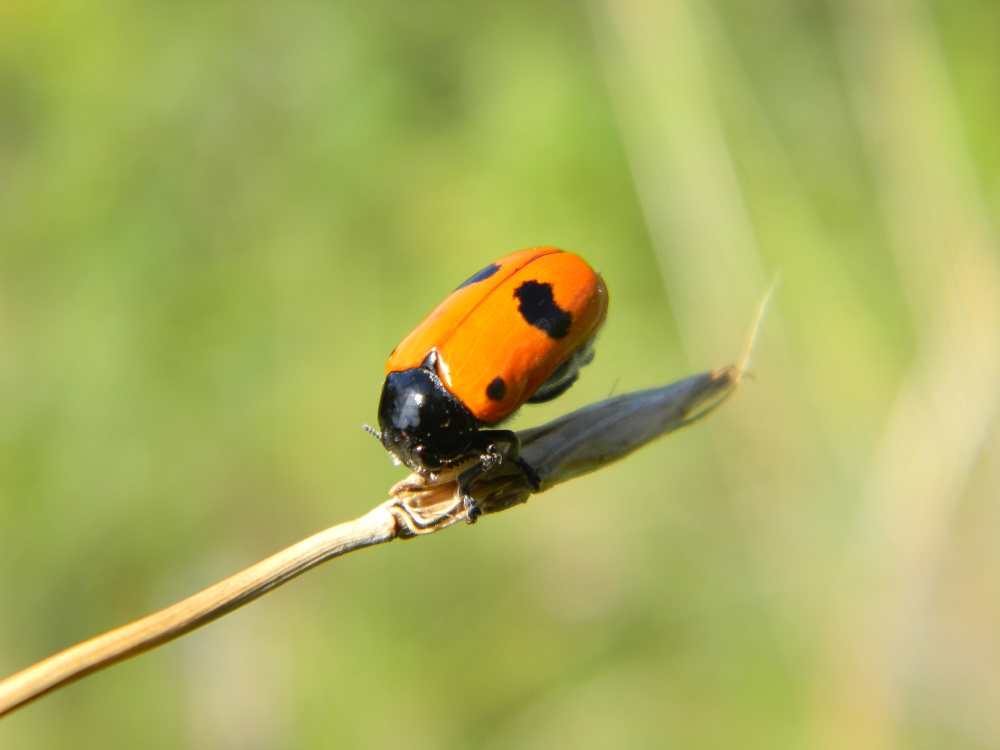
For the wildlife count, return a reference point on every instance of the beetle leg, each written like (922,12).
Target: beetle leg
(505,446)
(470,504)
(495,447)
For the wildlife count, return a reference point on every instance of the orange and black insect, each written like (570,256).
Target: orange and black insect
(517,331)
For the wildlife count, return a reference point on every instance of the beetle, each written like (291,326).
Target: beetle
(518,331)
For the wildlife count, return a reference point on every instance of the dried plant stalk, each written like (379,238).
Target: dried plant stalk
(570,446)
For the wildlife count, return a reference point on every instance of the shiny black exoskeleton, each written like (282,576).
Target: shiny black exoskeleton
(424,426)
(422,423)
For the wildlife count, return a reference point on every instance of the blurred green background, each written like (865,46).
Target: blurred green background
(216,220)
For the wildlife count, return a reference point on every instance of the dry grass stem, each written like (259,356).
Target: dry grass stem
(568,447)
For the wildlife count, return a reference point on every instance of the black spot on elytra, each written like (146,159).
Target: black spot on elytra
(480,276)
(497,389)
(539,309)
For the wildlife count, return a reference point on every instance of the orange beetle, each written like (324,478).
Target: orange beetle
(517,331)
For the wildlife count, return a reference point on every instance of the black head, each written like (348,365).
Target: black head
(422,423)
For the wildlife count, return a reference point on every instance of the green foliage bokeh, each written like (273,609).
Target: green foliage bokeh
(216,220)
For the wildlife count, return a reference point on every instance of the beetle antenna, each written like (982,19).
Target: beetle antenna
(372,431)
